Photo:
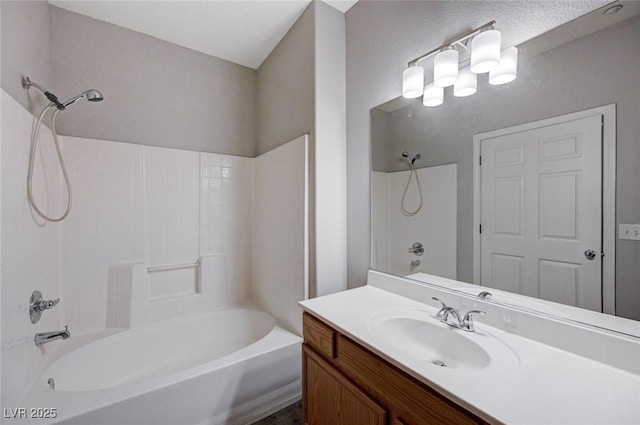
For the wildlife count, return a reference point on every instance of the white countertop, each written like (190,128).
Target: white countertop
(545,385)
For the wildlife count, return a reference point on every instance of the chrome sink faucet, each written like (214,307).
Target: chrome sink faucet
(460,322)
(44,337)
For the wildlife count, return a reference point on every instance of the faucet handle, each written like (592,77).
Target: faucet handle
(441,314)
(37,304)
(472,312)
(467,321)
(49,304)
(442,303)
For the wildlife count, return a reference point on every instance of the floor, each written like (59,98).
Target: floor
(291,415)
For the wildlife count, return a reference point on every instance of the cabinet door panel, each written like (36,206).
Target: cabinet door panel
(331,399)
(410,400)
(319,336)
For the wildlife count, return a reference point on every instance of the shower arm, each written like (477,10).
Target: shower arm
(27,84)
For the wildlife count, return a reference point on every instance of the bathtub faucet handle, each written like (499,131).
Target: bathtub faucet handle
(37,305)
(45,305)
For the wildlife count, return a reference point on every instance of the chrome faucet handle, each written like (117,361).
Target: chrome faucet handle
(442,303)
(37,304)
(417,249)
(440,314)
(46,305)
(467,320)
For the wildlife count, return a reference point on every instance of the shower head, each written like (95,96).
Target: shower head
(92,95)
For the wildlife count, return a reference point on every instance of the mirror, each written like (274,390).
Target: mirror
(560,174)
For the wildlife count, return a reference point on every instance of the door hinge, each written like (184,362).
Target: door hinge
(481,228)
(480,160)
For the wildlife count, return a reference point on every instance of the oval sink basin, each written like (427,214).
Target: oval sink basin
(423,338)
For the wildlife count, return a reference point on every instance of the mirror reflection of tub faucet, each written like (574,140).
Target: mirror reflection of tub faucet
(417,249)
(485,295)
(415,263)
(44,337)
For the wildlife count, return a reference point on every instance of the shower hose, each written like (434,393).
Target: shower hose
(406,212)
(32,154)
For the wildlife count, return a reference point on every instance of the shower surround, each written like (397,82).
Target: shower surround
(153,207)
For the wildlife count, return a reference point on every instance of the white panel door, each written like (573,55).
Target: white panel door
(541,209)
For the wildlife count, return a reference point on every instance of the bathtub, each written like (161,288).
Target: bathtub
(231,366)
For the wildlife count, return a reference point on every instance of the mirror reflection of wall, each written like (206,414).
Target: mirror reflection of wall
(598,68)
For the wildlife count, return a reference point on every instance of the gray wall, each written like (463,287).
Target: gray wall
(285,88)
(26,50)
(156,93)
(301,89)
(596,70)
(330,150)
(382,36)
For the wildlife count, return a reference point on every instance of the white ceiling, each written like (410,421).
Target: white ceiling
(240,31)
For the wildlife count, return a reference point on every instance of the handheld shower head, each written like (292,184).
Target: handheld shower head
(92,95)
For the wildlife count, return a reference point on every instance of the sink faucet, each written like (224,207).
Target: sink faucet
(44,337)
(461,322)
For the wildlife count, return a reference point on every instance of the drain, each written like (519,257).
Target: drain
(52,383)
(439,363)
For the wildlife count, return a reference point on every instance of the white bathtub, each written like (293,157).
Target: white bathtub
(231,366)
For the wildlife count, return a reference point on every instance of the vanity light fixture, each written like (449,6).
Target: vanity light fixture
(412,82)
(484,55)
(445,67)
(467,83)
(507,70)
(433,95)
(485,51)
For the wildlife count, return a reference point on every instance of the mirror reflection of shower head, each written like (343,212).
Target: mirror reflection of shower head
(92,95)
(405,154)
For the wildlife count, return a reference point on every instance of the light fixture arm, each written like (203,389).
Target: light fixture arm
(461,40)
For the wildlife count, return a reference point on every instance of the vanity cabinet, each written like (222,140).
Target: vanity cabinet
(344,383)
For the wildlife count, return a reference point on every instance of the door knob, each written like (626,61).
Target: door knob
(590,254)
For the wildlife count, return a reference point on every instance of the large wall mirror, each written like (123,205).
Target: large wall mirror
(524,188)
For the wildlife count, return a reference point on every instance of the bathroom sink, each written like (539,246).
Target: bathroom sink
(420,336)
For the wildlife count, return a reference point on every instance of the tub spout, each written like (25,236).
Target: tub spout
(44,337)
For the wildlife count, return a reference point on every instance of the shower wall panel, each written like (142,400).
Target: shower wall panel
(31,256)
(105,227)
(171,185)
(157,206)
(281,255)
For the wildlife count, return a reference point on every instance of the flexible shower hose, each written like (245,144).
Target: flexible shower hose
(32,153)
(406,188)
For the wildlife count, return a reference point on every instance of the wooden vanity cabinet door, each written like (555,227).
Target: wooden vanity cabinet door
(319,336)
(330,399)
(407,398)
